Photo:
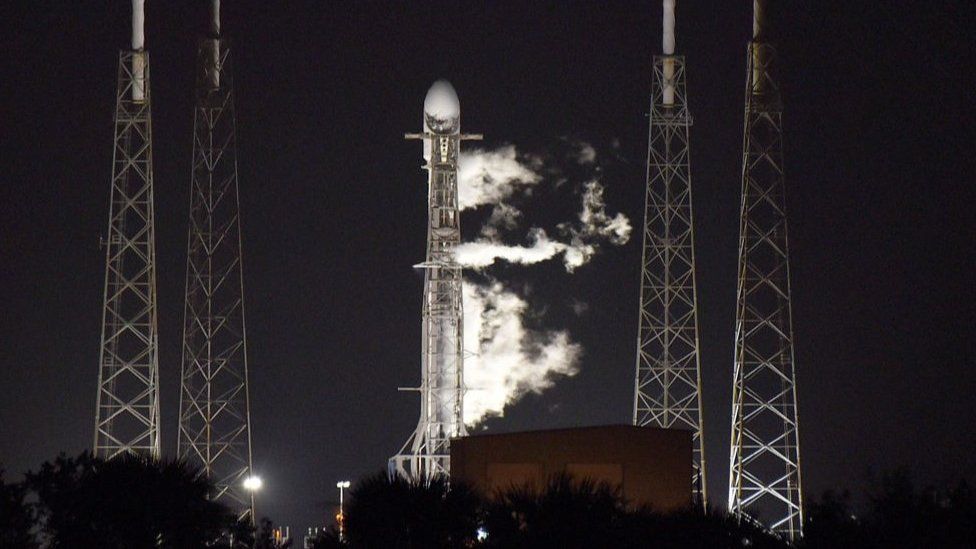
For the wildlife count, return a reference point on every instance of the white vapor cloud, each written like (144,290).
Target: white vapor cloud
(594,227)
(582,238)
(489,177)
(585,153)
(483,252)
(596,222)
(509,360)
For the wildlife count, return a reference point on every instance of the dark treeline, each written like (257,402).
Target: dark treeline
(385,513)
(133,503)
(127,503)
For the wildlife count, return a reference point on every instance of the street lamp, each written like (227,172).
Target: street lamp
(341,518)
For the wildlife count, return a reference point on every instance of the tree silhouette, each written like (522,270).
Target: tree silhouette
(568,513)
(897,516)
(565,513)
(393,513)
(16,517)
(697,528)
(128,502)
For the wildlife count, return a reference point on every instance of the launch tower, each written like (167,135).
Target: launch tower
(215,427)
(127,403)
(667,391)
(764,465)
(426,454)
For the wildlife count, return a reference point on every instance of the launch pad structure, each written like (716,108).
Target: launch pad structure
(214,414)
(426,454)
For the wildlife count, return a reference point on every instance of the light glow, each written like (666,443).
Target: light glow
(253,483)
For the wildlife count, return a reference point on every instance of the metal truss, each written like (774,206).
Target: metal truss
(215,432)
(426,454)
(127,407)
(667,390)
(764,467)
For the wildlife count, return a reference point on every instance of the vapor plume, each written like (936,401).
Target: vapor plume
(490,177)
(509,360)
(578,240)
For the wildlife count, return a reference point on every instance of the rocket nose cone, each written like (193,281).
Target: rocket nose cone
(441,106)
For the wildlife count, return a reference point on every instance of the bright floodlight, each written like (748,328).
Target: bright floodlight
(253,483)
(343,484)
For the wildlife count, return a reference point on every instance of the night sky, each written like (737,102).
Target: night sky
(880,186)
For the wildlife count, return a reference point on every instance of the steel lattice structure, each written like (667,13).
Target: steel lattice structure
(667,391)
(215,432)
(127,407)
(426,454)
(764,468)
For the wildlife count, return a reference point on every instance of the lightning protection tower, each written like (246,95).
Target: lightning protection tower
(426,454)
(127,403)
(764,468)
(667,390)
(215,430)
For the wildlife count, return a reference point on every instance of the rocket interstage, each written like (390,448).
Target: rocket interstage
(426,454)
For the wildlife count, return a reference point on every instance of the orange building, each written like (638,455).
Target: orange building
(652,466)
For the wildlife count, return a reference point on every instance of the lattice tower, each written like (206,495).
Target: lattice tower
(764,467)
(127,402)
(667,390)
(215,428)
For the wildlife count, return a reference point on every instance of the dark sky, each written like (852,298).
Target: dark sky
(880,179)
